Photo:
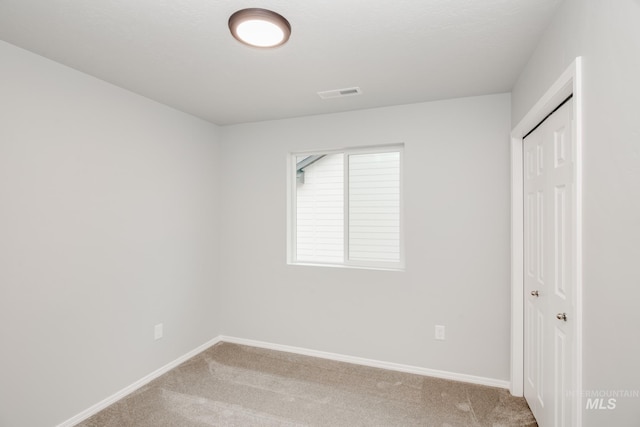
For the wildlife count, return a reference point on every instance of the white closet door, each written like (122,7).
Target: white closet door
(549,255)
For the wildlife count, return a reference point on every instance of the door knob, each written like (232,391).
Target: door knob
(534,293)
(561,316)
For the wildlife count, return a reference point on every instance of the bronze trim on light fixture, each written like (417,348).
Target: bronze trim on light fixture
(259,15)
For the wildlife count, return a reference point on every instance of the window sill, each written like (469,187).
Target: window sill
(348,267)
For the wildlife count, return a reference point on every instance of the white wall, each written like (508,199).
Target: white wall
(320,211)
(607,35)
(108,225)
(456,172)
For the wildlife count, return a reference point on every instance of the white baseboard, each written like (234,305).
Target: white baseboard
(491,382)
(289,349)
(135,386)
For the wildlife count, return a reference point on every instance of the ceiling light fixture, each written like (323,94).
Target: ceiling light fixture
(259,27)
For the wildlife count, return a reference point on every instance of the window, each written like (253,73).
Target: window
(346,208)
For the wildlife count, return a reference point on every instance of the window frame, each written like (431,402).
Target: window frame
(292,225)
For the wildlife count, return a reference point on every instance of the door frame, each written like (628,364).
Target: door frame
(570,82)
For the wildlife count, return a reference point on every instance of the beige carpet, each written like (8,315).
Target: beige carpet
(234,385)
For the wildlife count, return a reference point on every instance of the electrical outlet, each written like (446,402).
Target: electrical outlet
(440,332)
(157,331)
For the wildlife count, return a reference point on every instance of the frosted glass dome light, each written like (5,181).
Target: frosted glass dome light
(259,27)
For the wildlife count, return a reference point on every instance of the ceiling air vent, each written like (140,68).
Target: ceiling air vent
(339,93)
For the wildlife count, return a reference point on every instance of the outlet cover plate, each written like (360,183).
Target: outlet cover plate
(440,332)
(157,331)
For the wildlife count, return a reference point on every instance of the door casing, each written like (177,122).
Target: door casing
(570,82)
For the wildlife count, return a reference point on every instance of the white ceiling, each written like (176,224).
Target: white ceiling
(180,52)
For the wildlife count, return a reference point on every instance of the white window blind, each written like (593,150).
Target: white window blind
(347,208)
